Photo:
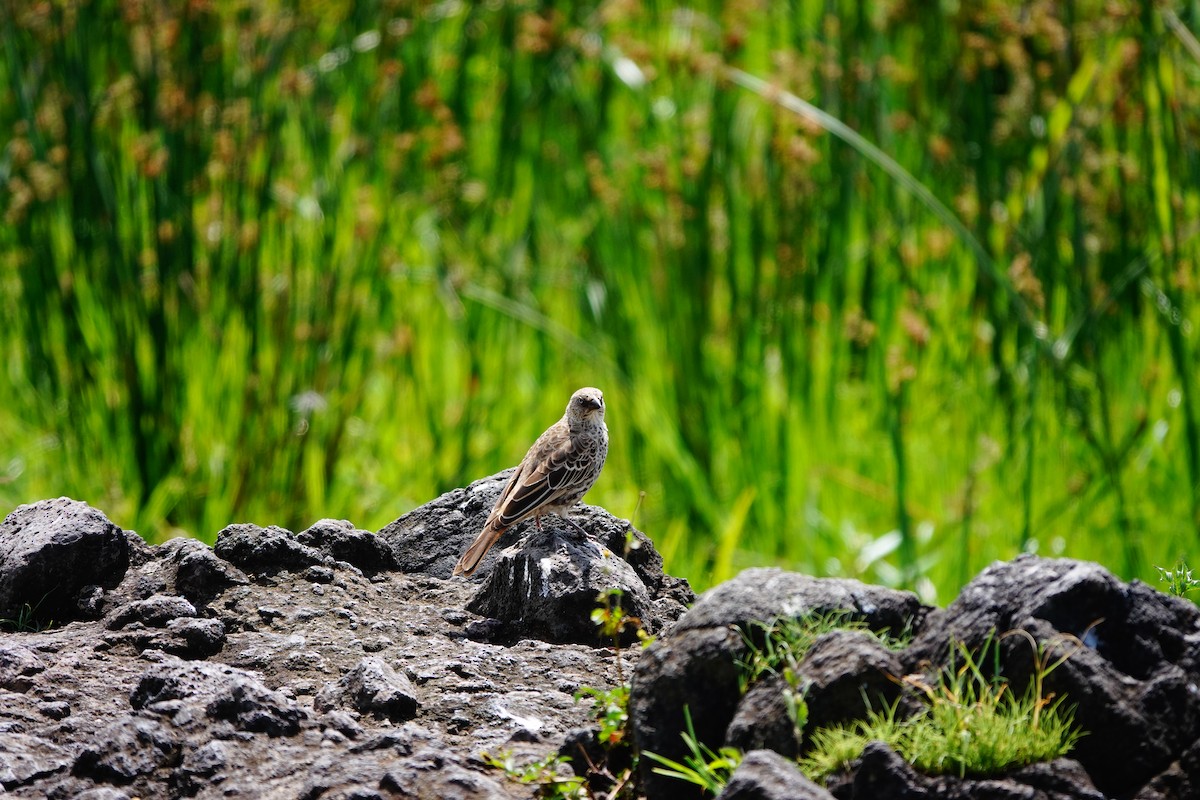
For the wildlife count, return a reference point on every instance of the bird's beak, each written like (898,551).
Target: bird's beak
(596,404)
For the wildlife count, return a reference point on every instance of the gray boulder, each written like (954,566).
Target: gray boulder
(1133,657)
(50,552)
(372,687)
(883,775)
(541,580)
(696,664)
(265,551)
(766,775)
(186,691)
(340,540)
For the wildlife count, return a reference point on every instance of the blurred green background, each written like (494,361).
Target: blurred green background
(278,261)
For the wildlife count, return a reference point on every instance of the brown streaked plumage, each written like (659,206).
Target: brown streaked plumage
(557,471)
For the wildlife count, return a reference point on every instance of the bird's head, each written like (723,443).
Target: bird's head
(587,404)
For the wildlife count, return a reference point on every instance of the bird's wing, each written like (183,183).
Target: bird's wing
(542,478)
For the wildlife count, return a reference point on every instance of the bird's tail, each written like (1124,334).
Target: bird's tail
(478,549)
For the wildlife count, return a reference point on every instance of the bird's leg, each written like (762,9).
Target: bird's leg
(537,520)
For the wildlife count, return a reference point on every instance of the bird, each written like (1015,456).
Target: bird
(557,471)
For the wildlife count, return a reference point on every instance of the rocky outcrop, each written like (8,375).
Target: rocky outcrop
(547,586)
(1130,667)
(294,665)
(338,663)
(55,553)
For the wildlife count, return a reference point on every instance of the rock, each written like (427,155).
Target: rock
(546,584)
(127,749)
(428,540)
(696,663)
(193,638)
(883,774)
(55,709)
(844,673)
(155,611)
(698,671)
(762,720)
(763,595)
(50,551)
(372,687)
(548,587)
(200,574)
(599,764)
(18,664)
(1133,655)
(265,551)
(848,672)
(103,793)
(186,637)
(340,540)
(25,759)
(331,674)
(766,775)
(1179,781)
(222,693)
(230,667)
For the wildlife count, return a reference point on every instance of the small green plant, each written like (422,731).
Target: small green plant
(973,724)
(702,766)
(611,710)
(1179,580)
(26,620)
(778,646)
(613,622)
(546,773)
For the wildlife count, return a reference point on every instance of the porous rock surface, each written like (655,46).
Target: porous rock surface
(324,663)
(337,663)
(1130,666)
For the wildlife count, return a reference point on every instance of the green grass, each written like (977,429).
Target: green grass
(973,724)
(26,621)
(707,768)
(273,264)
(778,646)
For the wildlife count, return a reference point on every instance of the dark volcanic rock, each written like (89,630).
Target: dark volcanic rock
(18,664)
(428,540)
(196,681)
(184,690)
(25,759)
(1134,657)
(340,540)
(200,574)
(372,687)
(549,587)
(883,774)
(546,584)
(696,663)
(766,775)
(186,637)
(280,665)
(761,720)
(762,595)
(265,551)
(50,551)
(128,749)
(1130,662)
(845,672)
(156,611)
